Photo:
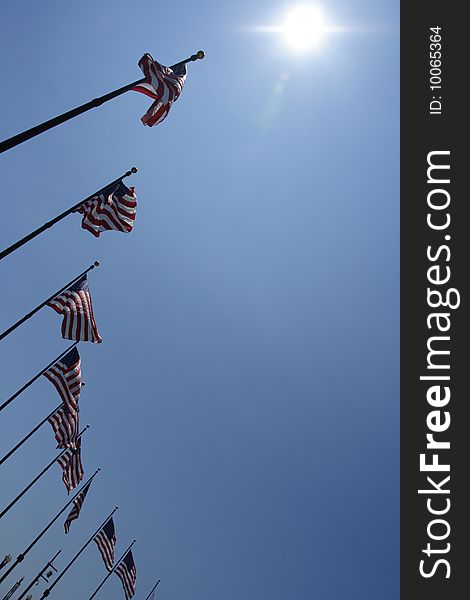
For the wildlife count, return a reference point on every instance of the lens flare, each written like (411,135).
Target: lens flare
(304,27)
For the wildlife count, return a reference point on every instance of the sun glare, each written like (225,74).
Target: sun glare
(304,27)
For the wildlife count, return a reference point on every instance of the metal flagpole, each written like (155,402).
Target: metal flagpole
(21,556)
(5,561)
(151,591)
(13,589)
(47,591)
(40,574)
(35,310)
(111,572)
(26,385)
(55,220)
(21,494)
(34,131)
(26,437)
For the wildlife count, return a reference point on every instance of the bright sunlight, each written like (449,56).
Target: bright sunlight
(304,27)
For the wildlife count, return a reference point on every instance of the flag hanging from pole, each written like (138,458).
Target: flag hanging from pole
(71,464)
(66,376)
(76,508)
(64,424)
(162,84)
(113,209)
(75,306)
(105,539)
(127,573)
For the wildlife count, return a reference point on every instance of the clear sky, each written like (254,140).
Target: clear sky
(244,402)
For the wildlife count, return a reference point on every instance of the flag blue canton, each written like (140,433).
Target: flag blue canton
(122,190)
(109,529)
(79,286)
(179,71)
(71,358)
(118,188)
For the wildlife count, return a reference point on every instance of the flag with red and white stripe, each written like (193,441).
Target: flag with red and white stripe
(162,84)
(114,209)
(71,465)
(74,304)
(66,376)
(127,573)
(76,508)
(64,424)
(105,539)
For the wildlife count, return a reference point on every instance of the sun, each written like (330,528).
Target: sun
(304,27)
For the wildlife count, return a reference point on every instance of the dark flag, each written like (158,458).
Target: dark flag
(163,84)
(71,464)
(76,508)
(127,573)
(65,427)
(65,374)
(75,306)
(113,209)
(106,541)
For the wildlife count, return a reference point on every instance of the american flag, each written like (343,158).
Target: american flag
(64,424)
(106,540)
(75,306)
(71,464)
(127,573)
(76,508)
(113,209)
(162,84)
(65,374)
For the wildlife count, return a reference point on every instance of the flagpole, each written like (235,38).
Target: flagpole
(48,590)
(21,556)
(42,127)
(26,385)
(26,437)
(40,574)
(151,591)
(35,310)
(30,485)
(67,212)
(13,589)
(111,572)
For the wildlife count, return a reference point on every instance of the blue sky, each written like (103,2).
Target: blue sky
(244,402)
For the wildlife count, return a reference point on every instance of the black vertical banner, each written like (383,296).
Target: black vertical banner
(435,305)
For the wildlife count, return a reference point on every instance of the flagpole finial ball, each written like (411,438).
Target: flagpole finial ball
(134,170)
(200,54)
(96,263)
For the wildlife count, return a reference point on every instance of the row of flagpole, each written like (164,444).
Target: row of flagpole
(129,591)
(131,586)
(114,568)
(30,485)
(22,555)
(35,581)
(111,207)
